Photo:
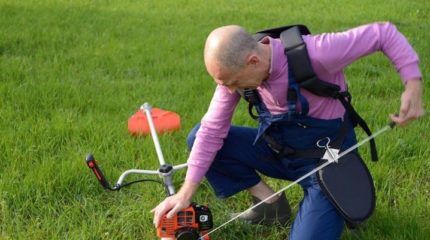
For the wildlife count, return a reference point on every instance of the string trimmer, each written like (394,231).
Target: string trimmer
(190,223)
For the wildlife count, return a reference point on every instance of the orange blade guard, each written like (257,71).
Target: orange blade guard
(164,121)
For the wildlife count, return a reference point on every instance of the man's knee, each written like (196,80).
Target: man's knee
(192,136)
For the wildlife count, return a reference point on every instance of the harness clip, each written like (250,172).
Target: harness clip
(331,154)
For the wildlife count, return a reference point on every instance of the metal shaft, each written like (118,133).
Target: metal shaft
(147,108)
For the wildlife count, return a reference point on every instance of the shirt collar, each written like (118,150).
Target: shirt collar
(277,59)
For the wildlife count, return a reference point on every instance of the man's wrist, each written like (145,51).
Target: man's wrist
(188,189)
(414,85)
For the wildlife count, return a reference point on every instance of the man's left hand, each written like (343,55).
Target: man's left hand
(411,106)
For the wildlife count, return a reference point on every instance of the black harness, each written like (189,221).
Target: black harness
(298,59)
(348,183)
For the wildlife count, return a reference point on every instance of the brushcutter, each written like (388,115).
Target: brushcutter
(190,223)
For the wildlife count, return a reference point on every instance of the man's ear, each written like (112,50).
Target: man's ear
(252,59)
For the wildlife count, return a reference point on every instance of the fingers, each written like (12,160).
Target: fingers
(411,108)
(402,120)
(174,210)
(407,117)
(404,108)
(172,205)
(395,118)
(160,210)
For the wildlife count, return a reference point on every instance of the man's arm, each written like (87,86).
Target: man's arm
(209,139)
(334,51)
(213,130)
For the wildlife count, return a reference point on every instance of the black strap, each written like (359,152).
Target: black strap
(253,99)
(357,119)
(285,150)
(252,96)
(298,59)
(276,32)
(297,55)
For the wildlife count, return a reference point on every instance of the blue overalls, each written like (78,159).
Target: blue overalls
(245,153)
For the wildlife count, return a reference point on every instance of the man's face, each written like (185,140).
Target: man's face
(246,77)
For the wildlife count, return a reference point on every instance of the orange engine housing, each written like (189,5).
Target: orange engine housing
(185,219)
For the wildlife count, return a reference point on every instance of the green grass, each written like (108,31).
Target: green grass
(73,72)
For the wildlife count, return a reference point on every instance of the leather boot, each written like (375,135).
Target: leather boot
(276,213)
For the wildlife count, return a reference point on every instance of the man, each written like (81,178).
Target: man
(229,156)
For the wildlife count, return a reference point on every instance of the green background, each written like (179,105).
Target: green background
(73,72)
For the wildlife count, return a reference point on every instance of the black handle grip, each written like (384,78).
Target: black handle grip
(392,124)
(92,164)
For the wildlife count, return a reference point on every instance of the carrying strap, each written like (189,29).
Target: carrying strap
(298,58)
(275,32)
(357,119)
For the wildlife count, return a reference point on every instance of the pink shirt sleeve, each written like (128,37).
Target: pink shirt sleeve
(335,51)
(213,130)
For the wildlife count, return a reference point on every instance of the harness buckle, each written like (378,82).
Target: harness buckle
(331,154)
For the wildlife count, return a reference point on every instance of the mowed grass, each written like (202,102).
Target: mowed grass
(73,72)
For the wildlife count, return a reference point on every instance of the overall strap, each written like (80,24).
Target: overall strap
(298,58)
(283,150)
(293,94)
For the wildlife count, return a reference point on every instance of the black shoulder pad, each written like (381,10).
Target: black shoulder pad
(298,59)
(276,32)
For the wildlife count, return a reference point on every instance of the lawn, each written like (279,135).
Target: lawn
(73,72)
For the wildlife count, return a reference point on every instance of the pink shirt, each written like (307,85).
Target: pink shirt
(330,53)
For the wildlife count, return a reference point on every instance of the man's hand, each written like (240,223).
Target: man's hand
(175,203)
(411,106)
(172,205)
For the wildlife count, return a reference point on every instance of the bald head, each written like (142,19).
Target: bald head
(229,46)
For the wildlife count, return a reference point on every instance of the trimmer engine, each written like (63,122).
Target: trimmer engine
(191,223)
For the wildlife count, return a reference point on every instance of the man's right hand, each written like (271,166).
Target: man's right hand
(171,205)
(175,203)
